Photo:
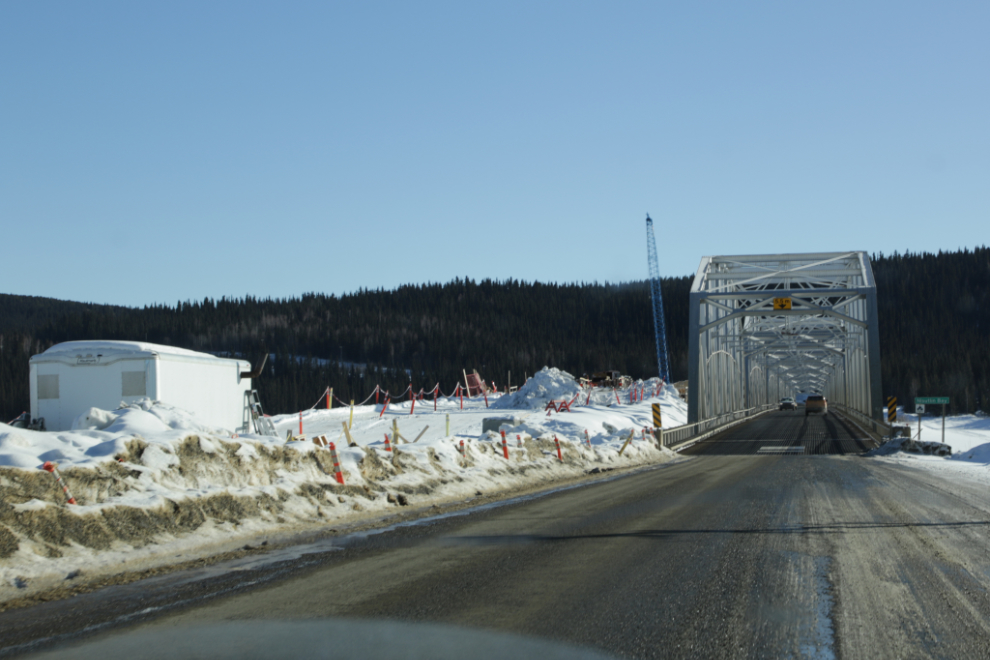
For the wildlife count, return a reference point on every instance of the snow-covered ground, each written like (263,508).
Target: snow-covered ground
(155,486)
(968,435)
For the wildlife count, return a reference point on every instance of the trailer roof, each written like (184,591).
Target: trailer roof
(108,347)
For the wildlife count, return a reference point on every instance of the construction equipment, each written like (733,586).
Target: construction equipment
(24,421)
(610,378)
(659,324)
(474,384)
(261,423)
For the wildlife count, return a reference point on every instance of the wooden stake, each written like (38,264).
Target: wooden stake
(628,440)
(347,432)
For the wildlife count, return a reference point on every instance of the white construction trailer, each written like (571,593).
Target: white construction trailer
(70,378)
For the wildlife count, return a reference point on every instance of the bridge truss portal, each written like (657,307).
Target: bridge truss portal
(763,327)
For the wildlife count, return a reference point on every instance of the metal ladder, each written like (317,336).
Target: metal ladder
(262,424)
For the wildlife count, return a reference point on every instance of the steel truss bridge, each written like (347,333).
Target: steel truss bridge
(767,326)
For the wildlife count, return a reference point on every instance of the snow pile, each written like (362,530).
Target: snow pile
(907,444)
(967,435)
(154,484)
(552,384)
(97,435)
(549,384)
(93,419)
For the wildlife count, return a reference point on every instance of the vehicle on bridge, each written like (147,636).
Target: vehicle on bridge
(787,403)
(815,403)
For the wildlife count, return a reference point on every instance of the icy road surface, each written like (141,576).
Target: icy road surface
(719,556)
(154,487)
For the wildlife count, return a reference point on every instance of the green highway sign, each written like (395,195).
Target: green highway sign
(931,399)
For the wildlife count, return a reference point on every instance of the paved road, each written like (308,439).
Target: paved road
(788,431)
(719,556)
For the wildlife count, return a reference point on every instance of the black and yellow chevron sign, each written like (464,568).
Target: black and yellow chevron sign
(657,421)
(892,409)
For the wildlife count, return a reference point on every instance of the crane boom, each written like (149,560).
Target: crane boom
(659,324)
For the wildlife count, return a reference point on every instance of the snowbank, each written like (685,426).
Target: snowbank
(552,384)
(155,485)
(967,435)
(548,384)
(98,435)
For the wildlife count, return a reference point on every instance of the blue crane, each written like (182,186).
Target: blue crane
(659,324)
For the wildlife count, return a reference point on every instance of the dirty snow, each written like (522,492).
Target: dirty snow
(968,435)
(156,486)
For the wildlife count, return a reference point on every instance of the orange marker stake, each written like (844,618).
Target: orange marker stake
(557,442)
(505,447)
(388,445)
(52,469)
(338,475)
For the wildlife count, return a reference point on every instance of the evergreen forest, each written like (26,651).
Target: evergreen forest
(934,327)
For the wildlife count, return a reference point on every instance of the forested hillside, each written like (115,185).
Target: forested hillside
(935,326)
(432,331)
(934,323)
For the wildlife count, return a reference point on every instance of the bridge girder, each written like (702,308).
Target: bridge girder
(746,348)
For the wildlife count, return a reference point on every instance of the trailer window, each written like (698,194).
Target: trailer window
(132,383)
(48,387)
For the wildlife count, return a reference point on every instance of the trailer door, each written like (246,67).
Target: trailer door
(49,401)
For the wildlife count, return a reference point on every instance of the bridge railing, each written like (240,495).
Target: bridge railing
(709,427)
(877,430)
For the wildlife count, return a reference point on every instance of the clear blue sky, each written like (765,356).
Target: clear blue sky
(165,151)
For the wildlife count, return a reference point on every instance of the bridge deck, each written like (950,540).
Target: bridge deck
(786,432)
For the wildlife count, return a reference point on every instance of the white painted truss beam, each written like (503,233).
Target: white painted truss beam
(761,325)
